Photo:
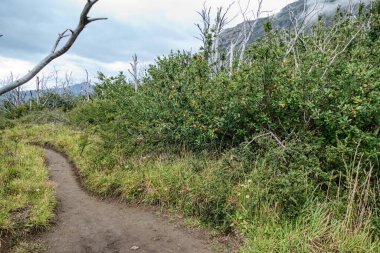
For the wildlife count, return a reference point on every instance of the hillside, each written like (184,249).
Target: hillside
(285,19)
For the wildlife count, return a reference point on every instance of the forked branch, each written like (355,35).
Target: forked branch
(55,53)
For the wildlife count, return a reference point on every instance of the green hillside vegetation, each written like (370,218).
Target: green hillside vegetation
(284,149)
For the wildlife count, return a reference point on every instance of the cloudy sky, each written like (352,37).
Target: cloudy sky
(149,28)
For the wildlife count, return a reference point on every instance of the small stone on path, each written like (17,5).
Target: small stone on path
(135,247)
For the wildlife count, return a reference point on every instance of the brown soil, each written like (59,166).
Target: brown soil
(86,224)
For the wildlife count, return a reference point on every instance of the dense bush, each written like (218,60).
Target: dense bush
(180,104)
(317,109)
(50,100)
(5,123)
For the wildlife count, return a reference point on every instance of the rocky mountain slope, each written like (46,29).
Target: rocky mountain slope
(283,19)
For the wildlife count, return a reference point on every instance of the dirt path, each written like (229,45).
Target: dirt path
(86,224)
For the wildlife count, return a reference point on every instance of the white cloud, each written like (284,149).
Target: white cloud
(15,67)
(69,63)
(179,12)
(142,14)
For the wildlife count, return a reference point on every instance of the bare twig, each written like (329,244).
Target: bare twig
(210,33)
(279,142)
(342,51)
(205,27)
(86,88)
(83,21)
(248,27)
(134,71)
(220,22)
(255,138)
(60,37)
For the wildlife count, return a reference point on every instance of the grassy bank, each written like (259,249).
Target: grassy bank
(27,196)
(201,187)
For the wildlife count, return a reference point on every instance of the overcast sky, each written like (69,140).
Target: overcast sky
(149,28)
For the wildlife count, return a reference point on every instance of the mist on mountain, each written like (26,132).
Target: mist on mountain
(307,10)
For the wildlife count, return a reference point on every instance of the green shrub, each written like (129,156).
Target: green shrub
(6,123)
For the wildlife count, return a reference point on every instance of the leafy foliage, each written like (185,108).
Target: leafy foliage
(304,112)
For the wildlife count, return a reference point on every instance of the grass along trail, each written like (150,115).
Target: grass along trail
(86,224)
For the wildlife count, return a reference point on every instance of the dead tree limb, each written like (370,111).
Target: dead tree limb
(205,35)
(134,72)
(248,27)
(221,21)
(83,21)
(332,60)
(86,88)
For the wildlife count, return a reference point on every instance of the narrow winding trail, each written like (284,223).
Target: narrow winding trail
(88,225)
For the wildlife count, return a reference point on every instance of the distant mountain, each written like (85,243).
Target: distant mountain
(76,90)
(283,20)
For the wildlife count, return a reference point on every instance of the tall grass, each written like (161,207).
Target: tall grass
(339,224)
(27,196)
(218,196)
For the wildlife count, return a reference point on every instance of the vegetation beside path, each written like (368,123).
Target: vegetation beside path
(199,186)
(281,147)
(27,198)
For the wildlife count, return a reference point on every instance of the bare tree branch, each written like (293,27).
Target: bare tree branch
(205,28)
(83,21)
(60,37)
(95,19)
(38,90)
(210,33)
(86,88)
(134,71)
(248,28)
(332,60)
